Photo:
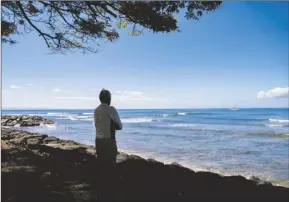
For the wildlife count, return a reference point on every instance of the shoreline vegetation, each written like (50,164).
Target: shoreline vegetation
(37,167)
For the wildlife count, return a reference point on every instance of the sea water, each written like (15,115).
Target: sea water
(229,142)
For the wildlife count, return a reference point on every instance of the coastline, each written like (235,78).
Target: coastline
(25,154)
(198,168)
(19,121)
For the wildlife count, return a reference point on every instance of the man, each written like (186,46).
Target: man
(106,120)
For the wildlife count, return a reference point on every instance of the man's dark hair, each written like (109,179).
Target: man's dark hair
(105,96)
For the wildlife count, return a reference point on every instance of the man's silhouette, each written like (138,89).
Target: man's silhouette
(107,121)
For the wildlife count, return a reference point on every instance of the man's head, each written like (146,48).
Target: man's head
(105,96)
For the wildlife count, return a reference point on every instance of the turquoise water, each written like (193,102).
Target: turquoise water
(245,141)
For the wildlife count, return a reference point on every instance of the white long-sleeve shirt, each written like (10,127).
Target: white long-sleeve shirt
(103,115)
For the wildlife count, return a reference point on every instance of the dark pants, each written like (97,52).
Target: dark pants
(106,150)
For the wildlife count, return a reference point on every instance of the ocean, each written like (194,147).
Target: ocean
(247,142)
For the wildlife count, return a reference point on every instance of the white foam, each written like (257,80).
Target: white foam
(186,126)
(163,115)
(35,114)
(284,183)
(88,119)
(182,125)
(72,118)
(53,113)
(274,125)
(137,120)
(17,125)
(42,115)
(87,113)
(47,125)
(50,125)
(82,117)
(174,114)
(279,120)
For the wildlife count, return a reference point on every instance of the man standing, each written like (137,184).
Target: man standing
(106,120)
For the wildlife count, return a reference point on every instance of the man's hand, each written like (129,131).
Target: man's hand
(117,127)
(112,129)
(114,126)
(115,118)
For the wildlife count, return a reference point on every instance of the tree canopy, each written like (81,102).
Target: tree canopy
(81,25)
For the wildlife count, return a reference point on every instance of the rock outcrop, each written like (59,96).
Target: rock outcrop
(24,120)
(37,167)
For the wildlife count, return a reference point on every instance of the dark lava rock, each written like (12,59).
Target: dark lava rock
(50,139)
(24,120)
(33,141)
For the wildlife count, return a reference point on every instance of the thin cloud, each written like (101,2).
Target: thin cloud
(132,96)
(56,90)
(75,98)
(133,93)
(274,93)
(30,84)
(14,87)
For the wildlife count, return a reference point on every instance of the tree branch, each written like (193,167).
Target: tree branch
(32,25)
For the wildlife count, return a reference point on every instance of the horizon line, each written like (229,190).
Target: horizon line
(144,108)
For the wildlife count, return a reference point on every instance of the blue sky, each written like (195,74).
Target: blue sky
(237,55)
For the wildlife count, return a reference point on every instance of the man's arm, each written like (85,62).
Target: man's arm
(94,118)
(112,129)
(115,118)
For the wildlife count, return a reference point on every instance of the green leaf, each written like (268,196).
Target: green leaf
(50,45)
(123,23)
(118,25)
(77,43)
(135,33)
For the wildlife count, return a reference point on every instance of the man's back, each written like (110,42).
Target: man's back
(106,121)
(104,117)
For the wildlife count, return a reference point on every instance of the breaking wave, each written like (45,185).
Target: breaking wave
(137,120)
(87,113)
(279,120)
(182,114)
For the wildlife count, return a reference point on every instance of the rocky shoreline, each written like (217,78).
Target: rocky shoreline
(24,120)
(38,167)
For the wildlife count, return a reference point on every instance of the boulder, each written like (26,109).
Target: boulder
(24,120)
(33,141)
(10,123)
(29,123)
(50,139)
